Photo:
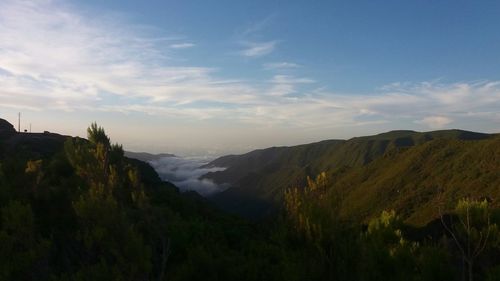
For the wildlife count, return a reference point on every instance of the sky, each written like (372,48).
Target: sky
(219,77)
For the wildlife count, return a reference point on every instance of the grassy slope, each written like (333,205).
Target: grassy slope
(415,181)
(259,178)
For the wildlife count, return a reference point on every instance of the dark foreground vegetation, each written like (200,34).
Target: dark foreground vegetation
(77,209)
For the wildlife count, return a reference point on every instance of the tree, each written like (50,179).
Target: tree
(387,254)
(472,231)
(314,214)
(103,165)
(112,248)
(302,207)
(97,135)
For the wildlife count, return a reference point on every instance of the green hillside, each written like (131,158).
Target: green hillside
(78,209)
(259,178)
(416,180)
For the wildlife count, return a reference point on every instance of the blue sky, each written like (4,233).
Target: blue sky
(218,77)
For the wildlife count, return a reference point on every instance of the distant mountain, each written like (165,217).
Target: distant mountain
(147,157)
(258,179)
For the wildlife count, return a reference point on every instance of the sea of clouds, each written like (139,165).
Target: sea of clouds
(185,173)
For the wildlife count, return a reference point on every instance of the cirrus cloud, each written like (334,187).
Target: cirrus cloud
(55,57)
(280,65)
(258,49)
(182,45)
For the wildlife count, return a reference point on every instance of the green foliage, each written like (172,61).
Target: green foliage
(413,181)
(96,135)
(86,212)
(23,252)
(388,255)
(474,231)
(475,217)
(34,169)
(259,178)
(300,205)
(110,242)
(344,252)
(313,214)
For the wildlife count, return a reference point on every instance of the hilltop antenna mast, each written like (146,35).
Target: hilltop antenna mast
(19,122)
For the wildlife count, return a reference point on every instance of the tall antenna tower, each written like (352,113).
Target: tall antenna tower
(19,122)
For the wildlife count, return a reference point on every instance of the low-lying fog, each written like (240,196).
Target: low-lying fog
(185,173)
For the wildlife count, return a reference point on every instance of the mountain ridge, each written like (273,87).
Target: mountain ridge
(259,178)
(146,156)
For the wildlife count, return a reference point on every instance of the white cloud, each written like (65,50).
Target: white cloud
(283,85)
(258,49)
(186,173)
(435,122)
(52,53)
(286,79)
(55,57)
(182,45)
(280,65)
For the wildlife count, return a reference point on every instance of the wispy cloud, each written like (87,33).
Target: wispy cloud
(258,49)
(280,65)
(55,57)
(286,79)
(182,45)
(252,40)
(257,27)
